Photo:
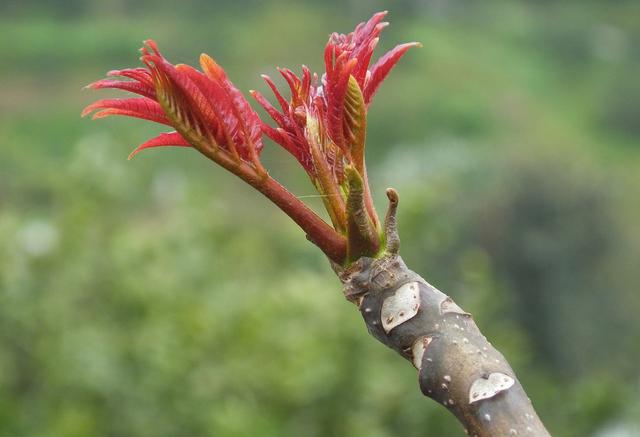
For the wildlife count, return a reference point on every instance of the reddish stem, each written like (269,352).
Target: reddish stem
(318,231)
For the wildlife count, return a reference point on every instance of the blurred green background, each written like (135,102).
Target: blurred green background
(161,297)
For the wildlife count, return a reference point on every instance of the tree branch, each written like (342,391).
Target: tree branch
(457,366)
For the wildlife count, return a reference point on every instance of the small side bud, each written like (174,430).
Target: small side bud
(391,224)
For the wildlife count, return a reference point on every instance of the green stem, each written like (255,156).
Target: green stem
(363,240)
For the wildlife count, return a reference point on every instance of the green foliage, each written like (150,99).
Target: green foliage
(161,297)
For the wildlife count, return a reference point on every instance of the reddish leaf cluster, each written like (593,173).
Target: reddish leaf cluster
(204,108)
(322,125)
(330,114)
(350,55)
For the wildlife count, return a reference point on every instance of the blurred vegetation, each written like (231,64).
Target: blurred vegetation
(160,297)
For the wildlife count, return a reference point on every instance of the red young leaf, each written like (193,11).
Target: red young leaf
(382,68)
(129,85)
(142,107)
(284,105)
(350,55)
(292,121)
(164,139)
(139,74)
(248,123)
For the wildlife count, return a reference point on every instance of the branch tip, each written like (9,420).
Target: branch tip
(391,223)
(392,195)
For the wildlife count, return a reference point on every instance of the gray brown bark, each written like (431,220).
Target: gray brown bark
(457,366)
